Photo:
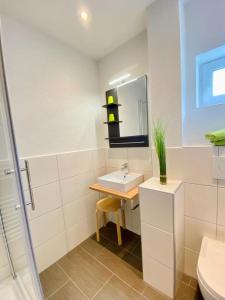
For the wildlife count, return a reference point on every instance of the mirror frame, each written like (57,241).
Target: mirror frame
(115,140)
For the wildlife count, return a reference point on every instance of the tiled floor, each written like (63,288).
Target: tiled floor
(130,251)
(92,271)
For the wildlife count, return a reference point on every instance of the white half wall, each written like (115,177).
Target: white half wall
(54,92)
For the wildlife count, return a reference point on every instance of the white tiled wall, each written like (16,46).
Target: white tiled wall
(65,207)
(204,197)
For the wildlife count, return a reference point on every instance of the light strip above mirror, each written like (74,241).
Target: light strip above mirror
(119,79)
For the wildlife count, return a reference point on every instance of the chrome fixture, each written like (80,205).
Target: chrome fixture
(124,168)
(27,170)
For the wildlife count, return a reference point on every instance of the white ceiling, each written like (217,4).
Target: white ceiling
(111,23)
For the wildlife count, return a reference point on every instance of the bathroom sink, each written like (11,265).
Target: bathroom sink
(120,181)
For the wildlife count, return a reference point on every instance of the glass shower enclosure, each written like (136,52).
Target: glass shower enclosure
(19,278)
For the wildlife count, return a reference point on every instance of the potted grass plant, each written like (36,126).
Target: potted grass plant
(159,141)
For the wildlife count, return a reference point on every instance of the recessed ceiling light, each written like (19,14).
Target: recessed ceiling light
(84,15)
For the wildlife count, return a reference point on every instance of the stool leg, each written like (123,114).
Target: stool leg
(105,219)
(97,226)
(118,228)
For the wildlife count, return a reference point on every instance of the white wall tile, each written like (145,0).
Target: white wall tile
(75,212)
(197,164)
(74,188)
(195,230)
(158,276)
(190,262)
(4,272)
(139,159)
(78,233)
(156,209)
(46,227)
(115,157)
(51,251)
(99,158)
(201,202)
(75,163)
(221,206)
(157,244)
(74,236)
(221,233)
(90,203)
(80,211)
(100,172)
(43,170)
(46,199)
(174,159)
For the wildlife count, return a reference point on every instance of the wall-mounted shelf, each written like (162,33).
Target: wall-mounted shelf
(112,105)
(113,122)
(112,111)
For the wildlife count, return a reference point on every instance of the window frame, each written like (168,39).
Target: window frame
(206,64)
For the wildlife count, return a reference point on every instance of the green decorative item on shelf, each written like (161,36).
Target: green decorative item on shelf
(159,141)
(111,117)
(110,100)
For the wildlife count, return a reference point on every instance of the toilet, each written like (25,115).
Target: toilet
(211,269)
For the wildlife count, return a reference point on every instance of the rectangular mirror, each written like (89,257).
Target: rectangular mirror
(127,114)
(133,110)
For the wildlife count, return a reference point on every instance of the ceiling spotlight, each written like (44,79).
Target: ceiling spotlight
(84,15)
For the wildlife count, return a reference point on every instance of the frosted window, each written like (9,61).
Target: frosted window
(219,82)
(210,78)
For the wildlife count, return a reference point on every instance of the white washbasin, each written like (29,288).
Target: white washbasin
(119,181)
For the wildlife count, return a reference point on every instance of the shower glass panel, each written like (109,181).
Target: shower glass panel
(18,273)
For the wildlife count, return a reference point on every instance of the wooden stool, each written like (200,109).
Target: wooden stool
(107,205)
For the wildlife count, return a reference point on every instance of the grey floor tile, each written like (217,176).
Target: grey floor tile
(88,274)
(52,279)
(122,269)
(115,289)
(68,292)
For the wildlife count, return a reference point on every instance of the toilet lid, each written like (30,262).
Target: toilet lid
(211,266)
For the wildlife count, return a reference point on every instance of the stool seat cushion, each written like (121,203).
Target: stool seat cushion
(108,204)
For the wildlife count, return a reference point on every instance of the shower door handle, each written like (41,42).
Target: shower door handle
(27,170)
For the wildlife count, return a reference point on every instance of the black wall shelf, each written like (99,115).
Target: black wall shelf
(112,108)
(113,122)
(111,105)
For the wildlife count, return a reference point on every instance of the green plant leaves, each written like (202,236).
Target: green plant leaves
(159,141)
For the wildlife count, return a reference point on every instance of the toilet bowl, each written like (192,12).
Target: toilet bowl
(211,269)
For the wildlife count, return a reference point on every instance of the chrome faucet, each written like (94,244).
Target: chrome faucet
(124,168)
